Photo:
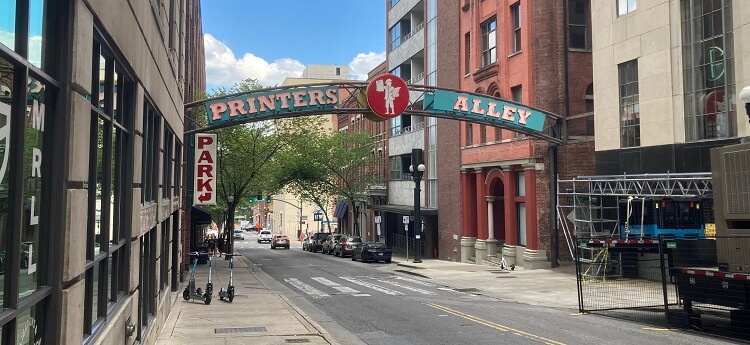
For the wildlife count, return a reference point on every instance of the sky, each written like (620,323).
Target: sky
(272,40)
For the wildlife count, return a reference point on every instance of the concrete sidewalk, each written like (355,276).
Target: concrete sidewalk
(257,315)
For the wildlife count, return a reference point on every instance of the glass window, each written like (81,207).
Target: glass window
(577,23)
(395,33)
(469,133)
(6,99)
(515,15)
(709,70)
(521,216)
(482,133)
(516,94)
(489,40)
(8,23)
(630,117)
(520,184)
(625,6)
(467,53)
(36,31)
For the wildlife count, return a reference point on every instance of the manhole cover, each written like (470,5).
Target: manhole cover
(240,330)
(297,341)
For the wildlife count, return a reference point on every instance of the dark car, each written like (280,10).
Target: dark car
(280,241)
(330,242)
(345,247)
(315,242)
(372,251)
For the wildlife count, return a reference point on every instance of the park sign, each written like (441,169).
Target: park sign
(268,103)
(205,169)
(475,107)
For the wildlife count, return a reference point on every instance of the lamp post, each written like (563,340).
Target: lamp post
(229,229)
(416,160)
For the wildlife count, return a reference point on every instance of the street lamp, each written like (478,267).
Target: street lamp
(416,159)
(229,230)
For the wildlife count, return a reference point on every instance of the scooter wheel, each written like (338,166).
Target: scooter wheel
(186,295)
(207,299)
(231,296)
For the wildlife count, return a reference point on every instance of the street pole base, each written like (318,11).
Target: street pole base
(417,261)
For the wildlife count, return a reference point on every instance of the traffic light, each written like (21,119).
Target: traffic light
(268,199)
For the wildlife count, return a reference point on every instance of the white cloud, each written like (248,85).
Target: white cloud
(364,63)
(223,68)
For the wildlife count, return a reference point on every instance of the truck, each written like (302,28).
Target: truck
(721,278)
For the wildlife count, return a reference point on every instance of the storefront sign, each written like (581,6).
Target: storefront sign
(473,107)
(205,170)
(388,95)
(265,104)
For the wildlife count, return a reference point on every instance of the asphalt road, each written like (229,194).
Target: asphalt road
(376,304)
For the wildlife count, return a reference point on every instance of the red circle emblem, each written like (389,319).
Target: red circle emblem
(388,95)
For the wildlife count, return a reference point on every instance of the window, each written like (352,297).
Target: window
(167,153)
(516,94)
(469,133)
(708,60)
(515,15)
(489,42)
(394,2)
(520,184)
(147,282)
(400,167)
(164,260)
(590,109)
(111,114)
(338,70)
(625,6)
(482,133)
(395,33)
(630,117)
(467,53)
(176,161)
(577,23)
(150,169)
(521,217)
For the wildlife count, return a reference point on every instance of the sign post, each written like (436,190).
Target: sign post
(406,228)
(205,169)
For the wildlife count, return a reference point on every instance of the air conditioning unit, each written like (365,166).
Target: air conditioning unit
(731,186)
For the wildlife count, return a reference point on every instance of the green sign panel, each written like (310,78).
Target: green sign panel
(671,245)
(264,104)
(473,107)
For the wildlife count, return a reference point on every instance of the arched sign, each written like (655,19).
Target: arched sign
(385,97)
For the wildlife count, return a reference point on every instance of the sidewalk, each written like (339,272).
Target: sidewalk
(554,288)
(257,315)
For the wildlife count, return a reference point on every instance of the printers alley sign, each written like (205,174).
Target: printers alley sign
(264,104)
(474,107)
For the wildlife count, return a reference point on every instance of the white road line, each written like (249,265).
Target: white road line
(372,286)
(406,287)
(335,285)
(415,281)
(313,292)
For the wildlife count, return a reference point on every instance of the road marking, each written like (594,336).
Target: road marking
(415,281)
(313,292)
(335,285)
(422,291)
(372,286)
(496,326)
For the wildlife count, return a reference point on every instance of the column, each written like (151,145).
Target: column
(481,245)
(511,224)
(468,222)
(491,241)
(533,258)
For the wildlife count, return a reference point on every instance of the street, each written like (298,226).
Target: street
(377,304)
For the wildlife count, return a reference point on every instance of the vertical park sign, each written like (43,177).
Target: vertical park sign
(205,169)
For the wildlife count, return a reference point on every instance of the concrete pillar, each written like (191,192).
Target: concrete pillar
(491,241)
(480,206)
(511,224)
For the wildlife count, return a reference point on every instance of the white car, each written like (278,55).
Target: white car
(265,236)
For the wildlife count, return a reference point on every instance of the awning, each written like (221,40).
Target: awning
(404,209)
(199,216)
(341,209)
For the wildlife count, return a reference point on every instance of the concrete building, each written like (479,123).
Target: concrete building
(91,179)
(667,77)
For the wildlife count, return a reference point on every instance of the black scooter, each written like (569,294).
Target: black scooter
(196,293)
(228,294)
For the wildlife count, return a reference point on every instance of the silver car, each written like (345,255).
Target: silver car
(265,236)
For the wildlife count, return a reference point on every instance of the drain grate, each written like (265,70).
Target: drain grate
(240,330)
(297,341)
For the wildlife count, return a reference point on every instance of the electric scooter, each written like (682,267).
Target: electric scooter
(229,292)
(190,290)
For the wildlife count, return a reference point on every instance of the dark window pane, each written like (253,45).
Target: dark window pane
(578,37)
(6,86)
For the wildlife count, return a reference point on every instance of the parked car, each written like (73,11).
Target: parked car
(330,242)
(280,241)
(345,247)
(239,235)
(316,241)
(265,236)
(372,251)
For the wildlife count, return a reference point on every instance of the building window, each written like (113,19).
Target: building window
(400,167)
(516,94)
(394,2)
(625,6)
(489,42)
(630,117)
(147,282)
(151,138)
(520,184)
(469,134)
(338,70)
(167,153)
(176,161)
(467,53)
(482,133)
(709,70)
(515,16)
(577,23)
(521,216)
(398,31)
(166,240)
(589,99)
(111,115)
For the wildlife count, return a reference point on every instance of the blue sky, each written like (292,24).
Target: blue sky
(272,40)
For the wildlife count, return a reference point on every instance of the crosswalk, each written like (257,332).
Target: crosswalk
(366,286)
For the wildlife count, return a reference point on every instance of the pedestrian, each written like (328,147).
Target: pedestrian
(212,245)
(220,245)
